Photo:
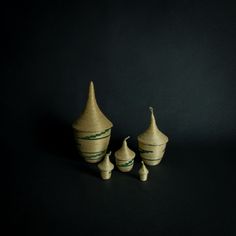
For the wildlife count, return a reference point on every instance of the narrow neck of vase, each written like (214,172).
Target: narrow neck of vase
(153,125)
(124,145)
(91,95)
(106,159)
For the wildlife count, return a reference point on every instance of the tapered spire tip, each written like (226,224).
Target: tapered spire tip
(91,86)
(151,109)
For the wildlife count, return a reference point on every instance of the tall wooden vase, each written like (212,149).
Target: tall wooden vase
(152,143)
(92,130)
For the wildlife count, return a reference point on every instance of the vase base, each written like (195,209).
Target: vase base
(151,162)
(93,160)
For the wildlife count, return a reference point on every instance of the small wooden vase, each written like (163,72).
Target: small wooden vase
(92,130)
(125,157)
(106,167)
(143,172)
(152,143)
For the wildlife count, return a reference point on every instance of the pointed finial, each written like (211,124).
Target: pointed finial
(151,109)
(125,142)
(108,154)
(153,125)
(91,94)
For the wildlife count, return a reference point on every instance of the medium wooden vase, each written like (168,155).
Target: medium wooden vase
(125,157)
(92,130)
(152,143)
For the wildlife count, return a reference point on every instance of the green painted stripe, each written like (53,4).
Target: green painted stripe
(127,164)
(95,136)
(93,152)
(144,151)
(94,155)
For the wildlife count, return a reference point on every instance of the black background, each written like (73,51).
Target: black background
(178,57)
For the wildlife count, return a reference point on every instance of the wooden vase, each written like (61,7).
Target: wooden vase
(143,172)
(106,167)
(152,143)
(92,130)
(125,157)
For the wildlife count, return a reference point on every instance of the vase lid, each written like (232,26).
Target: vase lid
(106,164)
(124,153)
(143,169)
(92,119)
(152,135)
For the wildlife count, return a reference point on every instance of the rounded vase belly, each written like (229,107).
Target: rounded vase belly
(151,154)
(92,146)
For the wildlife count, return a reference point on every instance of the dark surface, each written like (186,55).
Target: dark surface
(178,57)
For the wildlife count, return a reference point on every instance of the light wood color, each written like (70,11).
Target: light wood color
(92,130)
(125,157)
(143,172)
(152,143)
(106,167)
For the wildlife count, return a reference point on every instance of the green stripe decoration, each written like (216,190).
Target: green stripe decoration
(94,152)
(126,164)
(144,151)
(96,136)
(93,155)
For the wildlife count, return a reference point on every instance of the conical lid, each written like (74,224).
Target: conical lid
(153,135)
(143,169)
(106,165)
(92,118)
(124,153)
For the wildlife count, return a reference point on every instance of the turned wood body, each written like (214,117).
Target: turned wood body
(152,143)
(125,157)
(92,130)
